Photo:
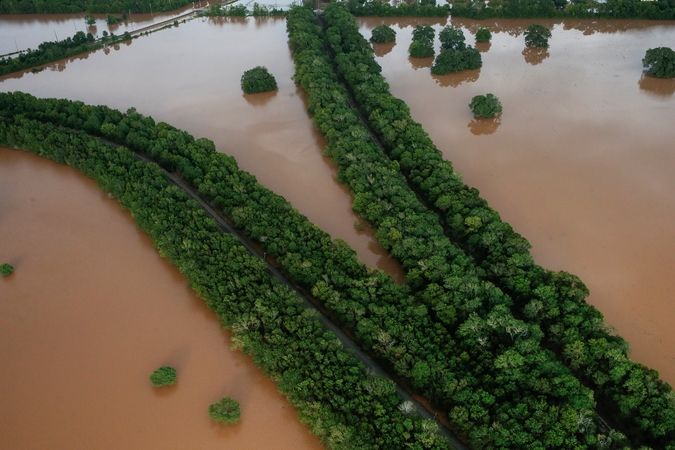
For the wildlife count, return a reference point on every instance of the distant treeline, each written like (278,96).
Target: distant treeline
(220,10)
(48,52)
(343,404)
(629,394)
(402,9)
(93,6)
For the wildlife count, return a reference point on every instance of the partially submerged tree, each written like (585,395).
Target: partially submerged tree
(257,80)
(456,61)
(383,33)
(485,106)
(660,62)
(537,36)
(226,410)
(423,32)
(6,269)
(483,35)
(421,49)
(164,376)
(452,38)
(89,20)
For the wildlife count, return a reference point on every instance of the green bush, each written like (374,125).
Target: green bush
(660,62)
(6,269)
(452,38)
(111,20)
(89,20)
(485,106)
(257,80)
(383,33)
(423,48)
(164,376)
(456,61)
(422,32)
(537,36)
(225,411)
(483,35)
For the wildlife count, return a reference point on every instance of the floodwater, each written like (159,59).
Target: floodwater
(91,311)
(189,76)
(581,161)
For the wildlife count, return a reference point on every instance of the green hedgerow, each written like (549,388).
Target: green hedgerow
(257,80)
(383,33)
(226,410)
(6,269)
(537,36)
(660,62)
(485,106)
(483,35)
(164,376)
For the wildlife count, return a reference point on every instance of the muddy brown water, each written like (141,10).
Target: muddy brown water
(581,161)
(90,311)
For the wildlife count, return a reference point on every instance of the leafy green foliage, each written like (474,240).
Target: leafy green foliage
(484,106)
(164,376)
(111,20)
(92,6)
(537,36)
(6,269)
(457,60)
(383,33)
(221,10)
(452,38)
(660,62)
(257,80)
(89,20)
(423,32)
(421,48)
(483,35)
(227,410)
(424,8)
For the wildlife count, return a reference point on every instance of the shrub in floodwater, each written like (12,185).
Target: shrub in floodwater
(257,80)
(6,269)
(422,32)
(383,33)
(537,36)
(660,62)
(422,48)
(225,411)
(111,20)
(456,61)
(164,376)
(89,20)
(452,38)
(485,106)
(483,35)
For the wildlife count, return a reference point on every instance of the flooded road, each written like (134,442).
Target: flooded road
(581,161)
(190,77)
(90,311)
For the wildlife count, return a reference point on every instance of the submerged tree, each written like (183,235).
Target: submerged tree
(537,36)
(660,62)
(226,410)
(6,269)
(483,35)
(89,20)
(423,32)
(485,106)
(452,38)
(421,49)
(257,80)
(456,61)
(383,33)
(164,376)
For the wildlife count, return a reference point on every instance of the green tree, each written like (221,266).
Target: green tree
(483,35)
(424,32)
(164,376)
(660,62)
(537,36)
(226,410)
(485,106)
(110,19)
(6,269)
(423,48)
(452,38)
(383,33)
(257,80)
(89,20)
(456,61)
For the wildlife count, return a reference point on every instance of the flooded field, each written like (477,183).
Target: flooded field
(581,161)
(90,311)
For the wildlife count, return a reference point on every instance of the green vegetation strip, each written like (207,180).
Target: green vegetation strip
(94,6)
(496,383)
(334,393)
(630,394)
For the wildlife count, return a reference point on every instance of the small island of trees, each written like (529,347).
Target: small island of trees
(164,376)
(383,33)
(660,62)
(537,36)
(6,269)
(257,80)
(483,35)
(227,410)
(455,54)
(422,45)
(485,106)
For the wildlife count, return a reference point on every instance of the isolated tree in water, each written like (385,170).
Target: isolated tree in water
(660,62)
(537,36)
(257,80)
(485,106)
(383,33)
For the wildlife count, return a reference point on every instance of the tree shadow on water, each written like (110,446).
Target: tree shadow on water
(535,55)
(483,47)
(657,87)
(421,63)
(261,98)
(456,78)
(482,125)
(383,48)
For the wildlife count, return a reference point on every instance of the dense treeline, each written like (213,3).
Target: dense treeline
(631,394)
(94,6)
(220,10)
(500,388)
(610,9)
(402,9)
(336,396)
(48,52)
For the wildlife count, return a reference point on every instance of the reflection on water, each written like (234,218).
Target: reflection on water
(457,78)
(483,47)
(421,63)
(261,98)
(483,125)
(658,87)
(383,48)
(535,55)
(401,22)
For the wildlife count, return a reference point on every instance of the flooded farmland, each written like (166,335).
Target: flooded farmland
(581,161)
(91,311)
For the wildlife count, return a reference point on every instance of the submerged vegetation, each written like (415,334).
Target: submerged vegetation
(227,410)
(164,376)
(93,6)
(383,33)
(660,62)
(221,10)
(257,80)
(6,269)
(422,45)
(537,36)
(483,35)
(485,106)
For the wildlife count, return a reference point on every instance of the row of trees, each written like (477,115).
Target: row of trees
(48,52)
(221,10)
(496,383)
(424,8)
(342,403)
(630,394)
(94,6)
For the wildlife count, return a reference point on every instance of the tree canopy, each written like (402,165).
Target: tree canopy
(485,106)
(383,33)
(257,80)
(537,36)
(164,376)
(660,62)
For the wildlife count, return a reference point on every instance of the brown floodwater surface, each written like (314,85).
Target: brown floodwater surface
(581,162)
(90,311)
(189,76)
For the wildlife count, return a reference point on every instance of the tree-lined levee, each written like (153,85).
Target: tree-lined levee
(629,394)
